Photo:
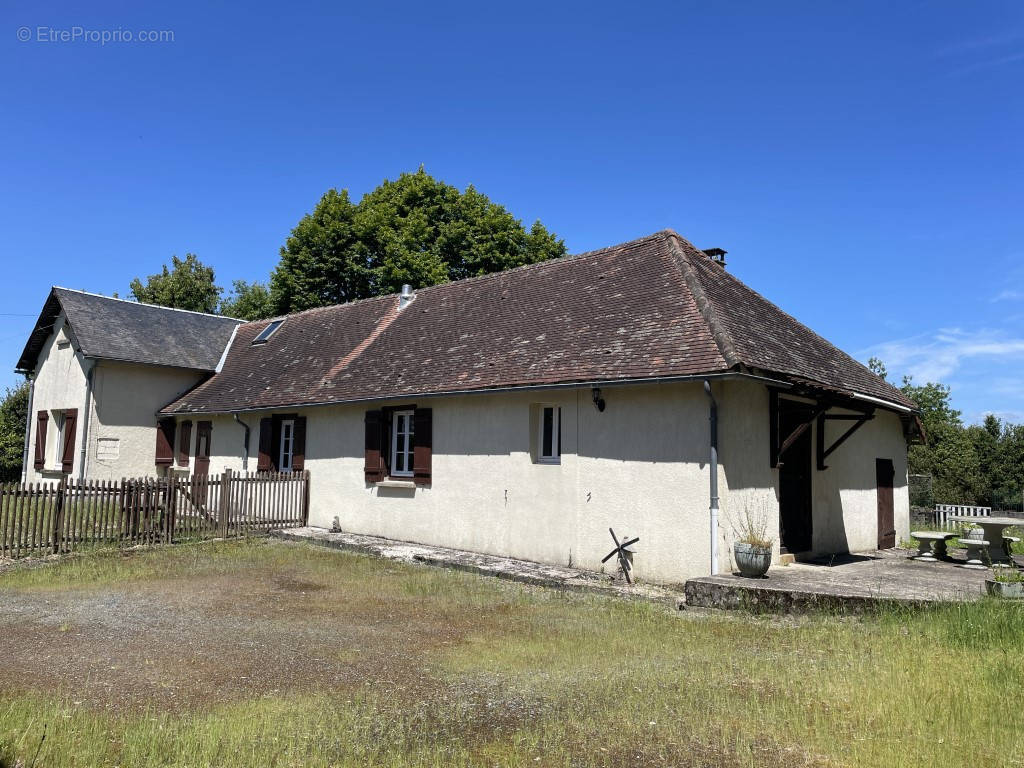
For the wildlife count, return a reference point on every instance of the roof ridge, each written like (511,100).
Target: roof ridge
(474,278)
(145,304)
(704,305)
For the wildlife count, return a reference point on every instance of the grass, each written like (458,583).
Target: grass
(489,673)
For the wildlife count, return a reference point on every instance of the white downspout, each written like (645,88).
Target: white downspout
(86,418)
(713,416)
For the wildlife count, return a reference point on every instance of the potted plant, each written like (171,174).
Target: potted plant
(1006,581)
(752,548)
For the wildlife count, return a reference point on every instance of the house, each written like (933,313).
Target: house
(525,413)
(100,368)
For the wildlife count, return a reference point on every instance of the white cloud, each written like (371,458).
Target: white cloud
(1008,295)
(937,355)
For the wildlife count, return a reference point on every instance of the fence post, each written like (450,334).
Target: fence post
(225,502)
(58,514)
(305,499)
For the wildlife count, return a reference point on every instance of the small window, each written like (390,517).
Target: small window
(267,332)
(402,443)
(59,420)
(549,451)
(284,463)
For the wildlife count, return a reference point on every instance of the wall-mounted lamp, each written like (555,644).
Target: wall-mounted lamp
(598,400)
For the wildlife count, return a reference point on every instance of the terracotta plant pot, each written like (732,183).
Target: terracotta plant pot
(752,561)
(1014,590)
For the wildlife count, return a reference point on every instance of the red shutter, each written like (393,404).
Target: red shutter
(165,442)
(263,463)
(299,444)
(40,458)
(373,468)
(67,455)
(184,443)
(422,445)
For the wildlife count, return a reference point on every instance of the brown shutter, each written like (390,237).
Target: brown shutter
(204,435)
(67,455)
(373,467)
(184,443)
(40,459)
(422,445)
(263,463)
(165,442)
(299,444)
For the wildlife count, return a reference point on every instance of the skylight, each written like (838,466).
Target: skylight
(267,332)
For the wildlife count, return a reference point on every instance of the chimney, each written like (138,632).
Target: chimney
(407,296)
(717,255)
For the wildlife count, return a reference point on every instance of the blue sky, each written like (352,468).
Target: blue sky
(862,163)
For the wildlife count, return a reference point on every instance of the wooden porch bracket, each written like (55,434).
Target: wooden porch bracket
(815,412)
(858,419)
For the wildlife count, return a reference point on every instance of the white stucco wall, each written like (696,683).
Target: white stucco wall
(126,398)
(121,414)
(59,384)
(845,496)
(639,467)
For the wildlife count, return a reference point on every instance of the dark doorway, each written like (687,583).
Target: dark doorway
(795,518)
(884,474)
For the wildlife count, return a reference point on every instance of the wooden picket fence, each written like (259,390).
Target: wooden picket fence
(49,518)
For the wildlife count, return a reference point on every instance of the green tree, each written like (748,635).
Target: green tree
(949,455)
(13,414)
(415,230)
(247,301)
(189,284)
(877,367)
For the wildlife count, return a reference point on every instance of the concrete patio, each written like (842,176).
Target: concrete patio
(846,582)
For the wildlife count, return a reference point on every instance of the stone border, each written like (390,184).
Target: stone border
(521,571)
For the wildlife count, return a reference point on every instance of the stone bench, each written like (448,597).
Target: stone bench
(975,548)
(931,544)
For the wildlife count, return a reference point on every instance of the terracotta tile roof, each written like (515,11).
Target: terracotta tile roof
(653,307)
(116,329)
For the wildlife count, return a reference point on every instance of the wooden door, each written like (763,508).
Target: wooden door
(203,435)
(884,474)
(796,516)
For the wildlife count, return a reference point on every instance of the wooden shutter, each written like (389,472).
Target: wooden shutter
(204,434)
(184,443)
(41,420)
(422,445)
(67,454)
(165,442)
(299,444)
(263,463)
(373,467)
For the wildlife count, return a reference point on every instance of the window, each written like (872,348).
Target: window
(60,422)
(267,332)
(549,435)
(284,461)
(401,443)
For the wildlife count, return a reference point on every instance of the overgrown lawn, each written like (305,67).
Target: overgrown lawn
(396,665)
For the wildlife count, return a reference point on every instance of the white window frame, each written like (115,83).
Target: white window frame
(60,420)
(397,417)
(555,457)
(286,448)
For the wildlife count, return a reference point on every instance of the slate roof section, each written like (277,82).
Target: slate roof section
(654,307)
(115,329)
